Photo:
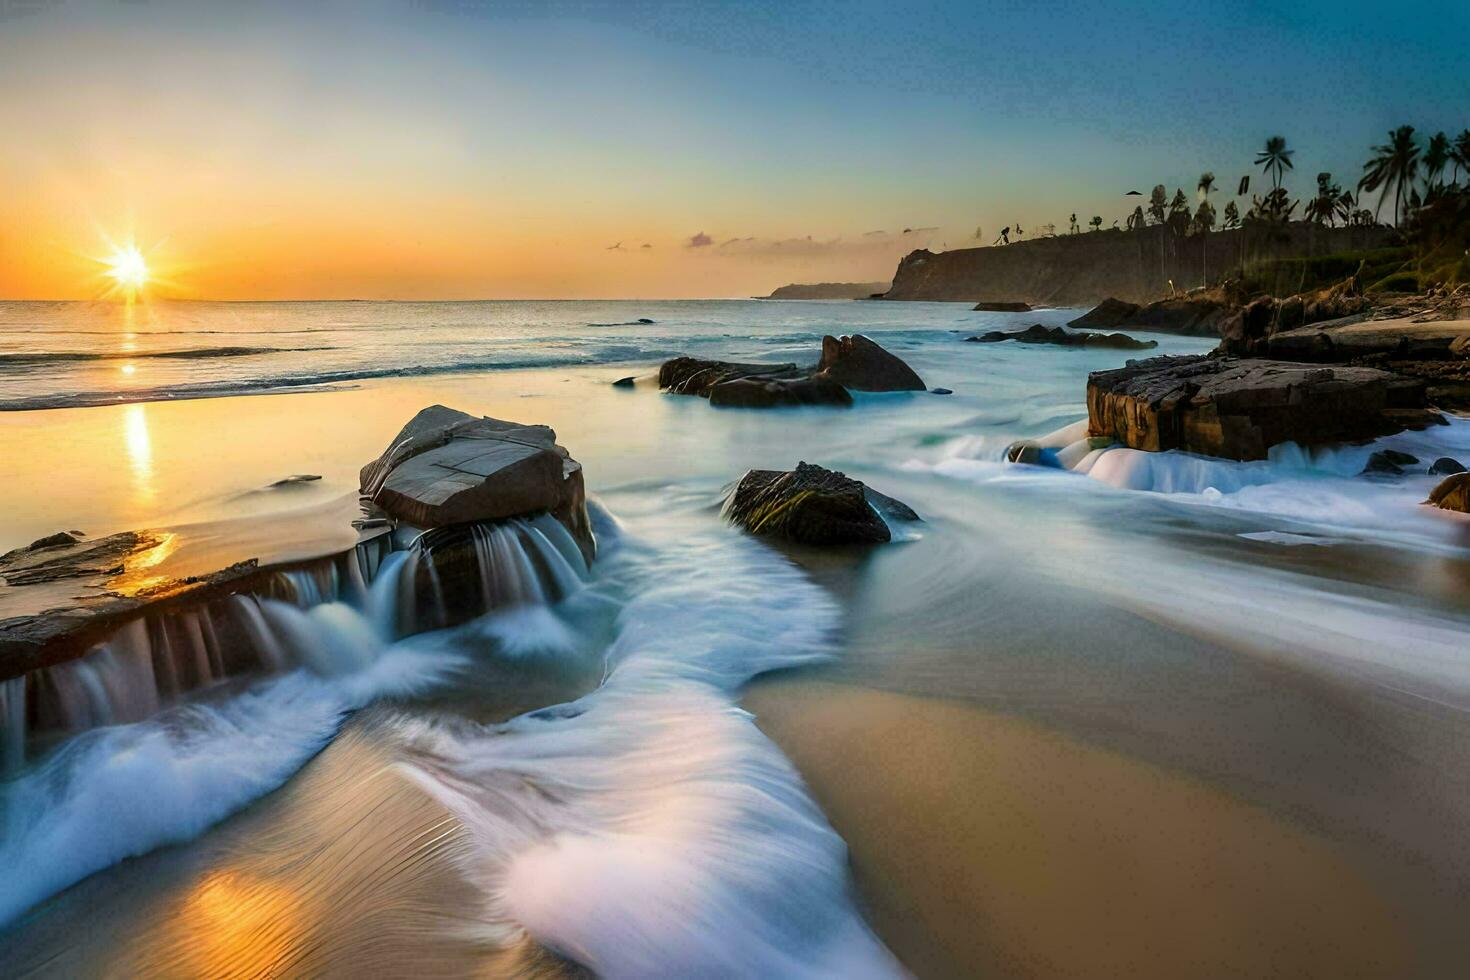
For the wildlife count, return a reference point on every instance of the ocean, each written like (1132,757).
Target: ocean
(1242,686)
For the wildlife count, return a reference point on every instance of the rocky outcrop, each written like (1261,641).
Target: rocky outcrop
(447,467)
(849,362)
(829,290)
(59,598)
(1134,266)
(812,505)
(1193,316)
(1001,306)
(1240,408)
(1446,466)
(733,385)
(858,363)
(1038,334)
(1111,312)
(1267,326)
(1453,493)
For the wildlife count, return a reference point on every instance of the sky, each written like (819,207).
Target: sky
(464,149)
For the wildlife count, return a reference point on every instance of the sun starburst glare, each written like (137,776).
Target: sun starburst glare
(128,266)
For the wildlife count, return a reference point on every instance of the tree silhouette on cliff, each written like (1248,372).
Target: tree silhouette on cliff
(1393,170)
(1274,159)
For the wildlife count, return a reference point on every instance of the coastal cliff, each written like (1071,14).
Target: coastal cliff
(1137,266)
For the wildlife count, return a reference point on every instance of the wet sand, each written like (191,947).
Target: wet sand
(987,846)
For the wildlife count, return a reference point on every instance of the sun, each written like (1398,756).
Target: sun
(128,267)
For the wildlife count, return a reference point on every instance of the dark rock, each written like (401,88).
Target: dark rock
(1194,316)
(1453,493)
(1268,326)
(1446,466)
(1388,461)
(1038,334)
(890,507)
(1029,453)
(857,362)
(809,505)
(644,319)
(295,480)
(1109,313)
(627,382)
(447,467)
(985,306)
(735,385)
(692,376)
(778,393)
(941,391)
(1239,408)
(57,540)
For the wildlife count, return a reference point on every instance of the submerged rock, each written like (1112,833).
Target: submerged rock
(628,382)
(447,467)
(1389,461)
(988,306)
(776,393)
(1038,334)
(857,362)
(941,391)
(1239,408)
(1445,466)
(812,505)
(1453,493)
(693,376)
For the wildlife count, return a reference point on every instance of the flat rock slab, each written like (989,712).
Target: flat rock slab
(1341,340)
(1238,408)
(447,467)
(1001,306)
(57,600)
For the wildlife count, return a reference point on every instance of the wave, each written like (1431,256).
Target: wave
(121,791)
(321,380)
(190,353)
(649,828)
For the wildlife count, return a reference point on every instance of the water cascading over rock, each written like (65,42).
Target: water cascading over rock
(501,521)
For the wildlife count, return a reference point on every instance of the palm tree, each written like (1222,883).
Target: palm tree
(1393,169)
(1460,154)
(1324,208)
(1232,216)
(1158,202)
(1436,158)
(1275,159)
(1205,188)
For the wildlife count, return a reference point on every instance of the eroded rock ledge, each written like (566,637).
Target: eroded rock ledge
(1238,408)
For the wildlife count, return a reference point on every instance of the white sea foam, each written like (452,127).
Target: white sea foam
(649,828)
(116,792)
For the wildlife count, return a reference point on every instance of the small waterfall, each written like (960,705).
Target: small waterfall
(332,616)
(12,725)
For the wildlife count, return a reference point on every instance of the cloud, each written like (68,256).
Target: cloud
(869,245)
(699,241)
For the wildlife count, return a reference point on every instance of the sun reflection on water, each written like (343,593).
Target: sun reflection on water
(139,446)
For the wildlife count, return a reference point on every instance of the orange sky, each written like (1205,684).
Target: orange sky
(436,149)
